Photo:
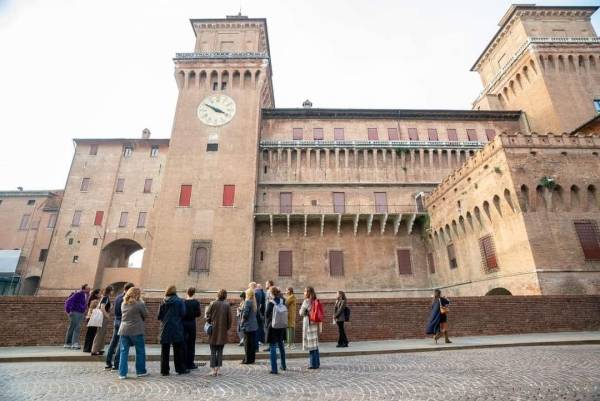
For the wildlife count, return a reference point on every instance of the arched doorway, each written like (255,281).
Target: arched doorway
(118,287)
(122,253)
(30,285)
(499,291)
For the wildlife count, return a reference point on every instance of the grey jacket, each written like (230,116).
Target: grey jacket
(132,319)
(249,322)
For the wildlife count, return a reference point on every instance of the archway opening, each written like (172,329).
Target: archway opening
(499,291)
(123,253)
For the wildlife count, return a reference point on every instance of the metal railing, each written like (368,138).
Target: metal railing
(335,209)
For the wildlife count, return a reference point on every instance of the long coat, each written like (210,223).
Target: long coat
(273,335)
(435,317)
(339,310)
(170,312)
(310,331)
(290,302)
(218,314)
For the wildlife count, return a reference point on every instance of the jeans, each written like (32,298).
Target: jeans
(140,354)
(72,336)
(249,347)
(342,339)
(291,333)
(314,359)
(113,348)
(216,356)
(273,352)
(178,357)
(189,335)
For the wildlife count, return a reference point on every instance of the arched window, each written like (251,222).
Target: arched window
(575,202)
(200,260)
(508,199)
(592,199)
(524,198)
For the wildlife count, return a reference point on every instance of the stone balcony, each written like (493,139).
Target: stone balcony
(389,217)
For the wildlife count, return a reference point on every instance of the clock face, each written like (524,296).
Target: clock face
(216,110)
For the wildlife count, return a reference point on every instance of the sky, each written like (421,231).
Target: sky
(100,69)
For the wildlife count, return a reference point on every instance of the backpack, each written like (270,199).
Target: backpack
(347,314)
(316,312)
(280,315)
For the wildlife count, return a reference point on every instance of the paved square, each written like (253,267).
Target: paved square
(522,373)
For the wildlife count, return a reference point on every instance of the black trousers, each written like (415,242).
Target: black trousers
(178,357)
(216,356)
(342,339)
(189,335)
(89,339)
(249,347)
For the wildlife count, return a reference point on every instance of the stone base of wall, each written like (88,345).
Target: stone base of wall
(42,320)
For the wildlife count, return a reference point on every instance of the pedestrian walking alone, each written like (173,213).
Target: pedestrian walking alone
(249,326)
(192,311)
(290,302)
(131,332)
(90,332)
(75,307)
(312,315)
(438,318)
(170,313)
(104,306)
(276,318)
(112,355)
(339,317)
(218,317)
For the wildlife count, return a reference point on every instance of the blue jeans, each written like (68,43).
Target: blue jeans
(273,351)
(72,336)
(314,359)
(113,348)
(140,354)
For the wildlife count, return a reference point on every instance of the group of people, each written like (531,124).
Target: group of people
(264,317)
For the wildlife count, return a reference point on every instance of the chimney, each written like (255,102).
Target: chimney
(307,104)
(146,133)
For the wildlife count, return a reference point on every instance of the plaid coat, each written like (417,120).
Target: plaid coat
(310,331)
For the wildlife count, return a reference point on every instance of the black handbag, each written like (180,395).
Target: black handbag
(346,314)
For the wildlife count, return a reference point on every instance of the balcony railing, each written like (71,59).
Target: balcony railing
(266,144)
(221,55)
(336,209)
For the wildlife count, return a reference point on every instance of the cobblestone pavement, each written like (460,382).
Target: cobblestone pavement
(508,374)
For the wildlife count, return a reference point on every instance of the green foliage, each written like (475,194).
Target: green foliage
(548,182)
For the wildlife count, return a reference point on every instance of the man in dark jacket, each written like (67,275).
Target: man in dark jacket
(192,311)
(170,313)
(75,307)
(259,295)
(112,357)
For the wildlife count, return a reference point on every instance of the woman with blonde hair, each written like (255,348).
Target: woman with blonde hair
(170,314)
(249,325)
(131,332)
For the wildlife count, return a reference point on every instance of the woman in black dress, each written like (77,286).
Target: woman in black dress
(438,319)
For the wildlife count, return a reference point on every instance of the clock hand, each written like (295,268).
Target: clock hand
(214,108)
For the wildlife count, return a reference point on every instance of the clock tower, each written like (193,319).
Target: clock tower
(203,228)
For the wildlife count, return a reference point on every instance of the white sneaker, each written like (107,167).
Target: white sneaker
(142,374)
(122,377)
(67,346)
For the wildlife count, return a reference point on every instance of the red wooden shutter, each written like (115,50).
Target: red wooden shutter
(141,223)
(471,134)
(336,263)
(488,253)
(432,133)
(228,195)
(99,217)
(452,136)
(372,134)
(404,265)
(285,202)
(413,135)
(393,134)
(339,202)
(338,134)
(318,134)
(490,134)
(431,263)
(120,184)
(185,195)
(452,256)
(123,219)
(148,185)
(285,263)
(381,205)
(297,134)
(589,239)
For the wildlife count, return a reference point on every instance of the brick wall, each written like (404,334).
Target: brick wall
(41,320)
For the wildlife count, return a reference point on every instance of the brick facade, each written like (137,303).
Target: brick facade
(42,321)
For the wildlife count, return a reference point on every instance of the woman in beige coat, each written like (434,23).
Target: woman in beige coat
(218,314)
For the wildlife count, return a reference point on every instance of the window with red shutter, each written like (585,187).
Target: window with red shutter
(490,134)
(404,263)
(120,184)
(452,257)
(228,195)
(336,263)
(488,253)
(148,185)
(339,202)
(123,219)
(589,238)
(432,134)
(285,263)
(471,134)
(99,217)
(297,134)
(452,135)
(413,134)
(285,202)
(338,134)
(318,134)
(372,134)
(393,134)
(431,263)
(185,195)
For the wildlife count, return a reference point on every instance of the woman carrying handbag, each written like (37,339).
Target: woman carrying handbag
(104,307)
(438,319)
